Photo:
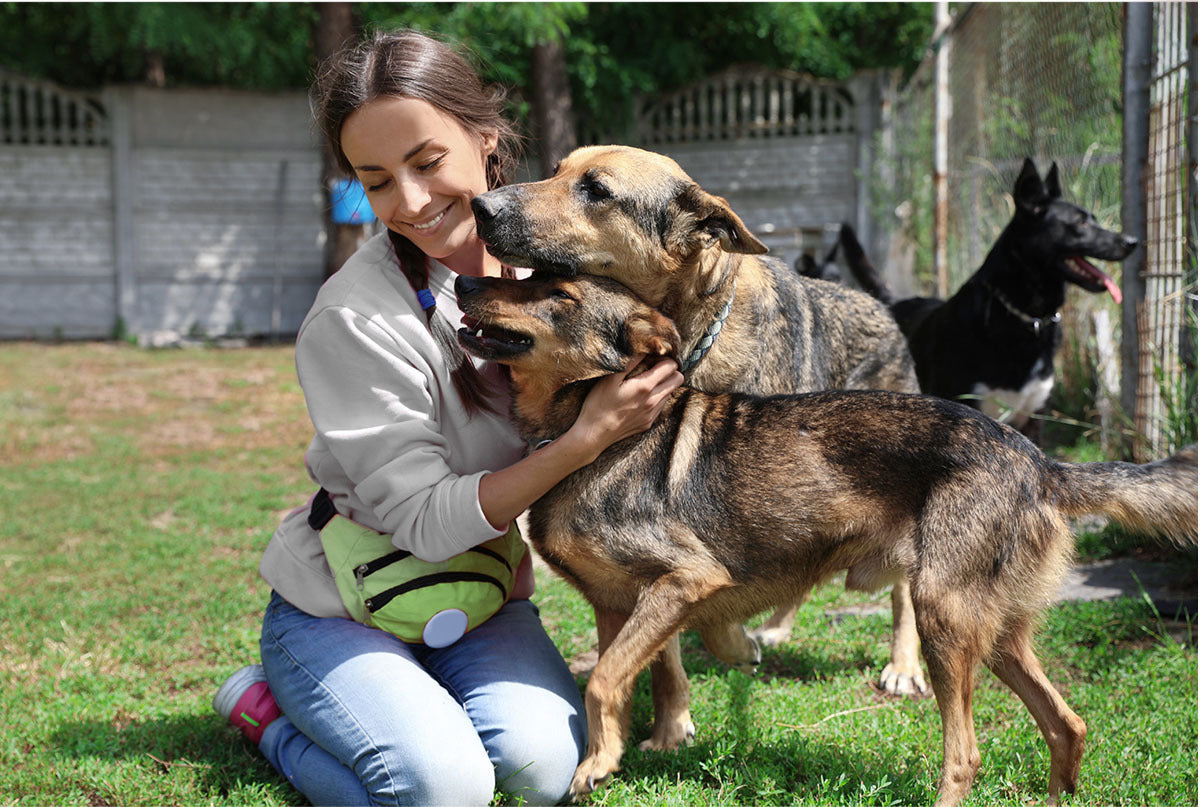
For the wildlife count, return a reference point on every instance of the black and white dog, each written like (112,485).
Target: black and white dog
(992,344)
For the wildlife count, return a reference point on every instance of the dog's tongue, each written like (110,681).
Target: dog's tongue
(1089,270)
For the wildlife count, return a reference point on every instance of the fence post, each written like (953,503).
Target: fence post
(1139,28)
(868,100)
(941,136)
(119,103)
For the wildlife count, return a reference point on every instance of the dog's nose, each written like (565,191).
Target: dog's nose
(1129,242)
(486,207)
(465,286)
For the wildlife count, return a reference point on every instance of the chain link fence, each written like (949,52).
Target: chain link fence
(1043,80)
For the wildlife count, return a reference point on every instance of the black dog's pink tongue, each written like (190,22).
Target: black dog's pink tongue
(1087,269)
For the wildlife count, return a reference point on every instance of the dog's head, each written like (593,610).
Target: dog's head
(618,212)
(1065,235)
(552,331)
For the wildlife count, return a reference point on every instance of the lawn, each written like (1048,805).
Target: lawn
(140,488)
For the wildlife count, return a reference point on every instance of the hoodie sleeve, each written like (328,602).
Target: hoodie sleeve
(373,403)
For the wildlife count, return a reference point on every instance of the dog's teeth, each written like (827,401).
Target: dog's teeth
(479,333)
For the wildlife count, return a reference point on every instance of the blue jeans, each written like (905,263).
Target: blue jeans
(368,719)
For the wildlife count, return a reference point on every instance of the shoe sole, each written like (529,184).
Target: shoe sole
(234,687)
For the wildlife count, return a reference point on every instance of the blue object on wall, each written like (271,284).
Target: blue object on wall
(349,203)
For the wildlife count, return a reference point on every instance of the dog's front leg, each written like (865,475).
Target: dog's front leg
(902,675)
(778,627)
(669,687)
(655,620)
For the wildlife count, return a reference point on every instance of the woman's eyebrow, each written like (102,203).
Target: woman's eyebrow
(412,153)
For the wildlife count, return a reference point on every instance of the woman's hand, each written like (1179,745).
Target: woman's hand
(620,406)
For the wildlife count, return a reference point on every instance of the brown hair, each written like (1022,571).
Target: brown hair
(409,64)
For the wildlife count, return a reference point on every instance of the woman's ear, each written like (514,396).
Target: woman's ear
(491,139)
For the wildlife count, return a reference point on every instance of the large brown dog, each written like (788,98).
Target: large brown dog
(747,322)
(732,503)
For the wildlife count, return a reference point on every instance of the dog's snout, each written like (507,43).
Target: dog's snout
(1128,243)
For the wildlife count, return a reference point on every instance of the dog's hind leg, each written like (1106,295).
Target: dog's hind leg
(954,637)
(952,673)
(673,725)
(902,675)
(1014,663)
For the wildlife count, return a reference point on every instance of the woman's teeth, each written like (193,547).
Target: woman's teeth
(432,223)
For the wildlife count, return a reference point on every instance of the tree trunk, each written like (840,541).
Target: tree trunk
(553,114)
(336,28)
(156,71)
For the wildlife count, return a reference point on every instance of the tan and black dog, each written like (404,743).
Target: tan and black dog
(748,323)
(730,504)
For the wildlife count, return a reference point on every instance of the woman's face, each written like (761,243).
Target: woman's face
(420,169)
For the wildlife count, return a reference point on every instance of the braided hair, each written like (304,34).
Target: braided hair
(410,64)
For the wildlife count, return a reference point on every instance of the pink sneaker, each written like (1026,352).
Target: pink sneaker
(246,701)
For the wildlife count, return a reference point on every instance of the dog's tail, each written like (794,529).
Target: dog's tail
(1157,499)
(861,267)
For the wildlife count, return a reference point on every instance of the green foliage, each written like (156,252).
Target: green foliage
(249,45)
(614,50)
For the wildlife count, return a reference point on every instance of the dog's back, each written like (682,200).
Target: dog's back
(793,334)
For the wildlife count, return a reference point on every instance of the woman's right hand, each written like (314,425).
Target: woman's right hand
(621,406)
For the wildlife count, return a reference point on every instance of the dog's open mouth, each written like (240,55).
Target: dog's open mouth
(1083,273)
(491,341)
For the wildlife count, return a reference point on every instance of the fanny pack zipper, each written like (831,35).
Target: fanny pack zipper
(363,570)
(381,599)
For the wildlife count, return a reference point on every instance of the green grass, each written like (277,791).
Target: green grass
(140,488)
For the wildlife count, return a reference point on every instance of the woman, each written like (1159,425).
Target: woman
(412,441)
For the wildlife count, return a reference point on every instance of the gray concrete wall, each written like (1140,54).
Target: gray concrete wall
(201,216)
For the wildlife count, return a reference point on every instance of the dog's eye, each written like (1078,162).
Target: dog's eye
(559,294)
(594,190)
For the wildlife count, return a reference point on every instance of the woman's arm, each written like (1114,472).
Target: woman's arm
(616,408)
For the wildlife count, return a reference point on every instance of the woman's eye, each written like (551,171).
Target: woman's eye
(378,186)
(432,164)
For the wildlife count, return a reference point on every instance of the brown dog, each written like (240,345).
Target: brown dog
(747,323)
(731,503)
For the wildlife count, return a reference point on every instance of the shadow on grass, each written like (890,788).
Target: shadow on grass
(218,761)
(731,760)
(794,660)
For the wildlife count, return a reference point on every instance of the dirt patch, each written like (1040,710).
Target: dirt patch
(55,399)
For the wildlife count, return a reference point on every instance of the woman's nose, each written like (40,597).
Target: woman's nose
(412,198)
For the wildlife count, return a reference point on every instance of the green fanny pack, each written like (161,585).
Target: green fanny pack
(418,601)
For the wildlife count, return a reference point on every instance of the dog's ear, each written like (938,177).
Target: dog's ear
(652,333)
(1029,192)
(1053,187)
(713,220)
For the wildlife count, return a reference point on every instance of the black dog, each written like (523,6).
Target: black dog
(992,344)
(827,269)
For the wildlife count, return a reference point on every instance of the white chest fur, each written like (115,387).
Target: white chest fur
(1015,406)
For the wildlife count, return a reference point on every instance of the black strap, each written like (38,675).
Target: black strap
(322,511)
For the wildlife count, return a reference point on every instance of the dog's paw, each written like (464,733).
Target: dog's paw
(590,775)
(669,737)
(899,682)
(770,637)
(749,665)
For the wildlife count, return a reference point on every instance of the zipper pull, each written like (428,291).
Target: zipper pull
(360,572)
